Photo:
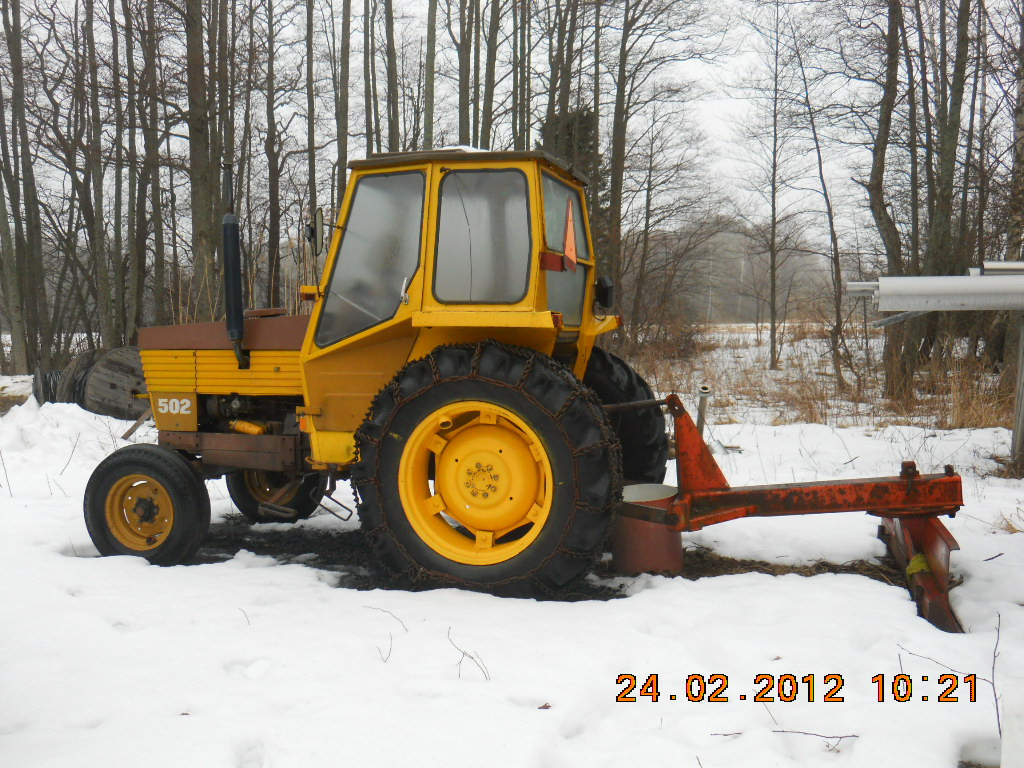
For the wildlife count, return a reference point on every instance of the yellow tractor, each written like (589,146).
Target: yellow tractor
(448,369)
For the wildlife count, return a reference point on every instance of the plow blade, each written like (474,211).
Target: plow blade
(909,505)
(921,547)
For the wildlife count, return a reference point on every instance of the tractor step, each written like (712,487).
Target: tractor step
(284,514)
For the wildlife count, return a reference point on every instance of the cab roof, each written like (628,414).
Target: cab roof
(387,159)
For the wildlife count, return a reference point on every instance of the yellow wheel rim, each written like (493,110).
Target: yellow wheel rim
(491,478)
(263,485)
(140,513)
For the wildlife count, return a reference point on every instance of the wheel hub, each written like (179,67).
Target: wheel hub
(471,474)
(139,512)
(488,477)
(146,510)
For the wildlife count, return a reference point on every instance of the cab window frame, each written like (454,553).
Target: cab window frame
(584,216)
(422,173)
(529,276)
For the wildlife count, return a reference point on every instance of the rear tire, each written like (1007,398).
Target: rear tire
(641,431)
(249,488)
(487,466)
(146,500)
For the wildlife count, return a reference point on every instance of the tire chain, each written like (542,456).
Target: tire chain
(361,478)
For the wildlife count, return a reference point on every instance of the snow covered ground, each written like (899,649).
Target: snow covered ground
(252,660)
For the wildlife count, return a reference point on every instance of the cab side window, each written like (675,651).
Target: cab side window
(483,237)
(566,290)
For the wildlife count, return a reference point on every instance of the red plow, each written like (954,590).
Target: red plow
(909,506)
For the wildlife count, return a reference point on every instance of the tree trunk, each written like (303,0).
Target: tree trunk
(428,86)
(463,49)
(898,367)
(493,24)
(939,255)
(341,85)
(835,333)
(368,96)
(105,301)
(202,174)
(617,167)
(273,151)
(1015,225)
(310,107)
(394,139)
(13,300)
(138,182)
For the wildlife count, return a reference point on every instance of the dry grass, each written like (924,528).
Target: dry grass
(9,401)
(964,394)
(951,394)
(1012,523)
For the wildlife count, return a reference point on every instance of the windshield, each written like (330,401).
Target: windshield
(566,290)
(380,250)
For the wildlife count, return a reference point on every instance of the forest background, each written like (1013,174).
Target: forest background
(746,158)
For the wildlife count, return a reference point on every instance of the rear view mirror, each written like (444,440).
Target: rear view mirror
(315,232)
(604,292)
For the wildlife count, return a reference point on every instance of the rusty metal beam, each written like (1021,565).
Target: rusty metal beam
(275,453)
(927,495)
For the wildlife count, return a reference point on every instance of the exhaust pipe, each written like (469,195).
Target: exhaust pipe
(233,273)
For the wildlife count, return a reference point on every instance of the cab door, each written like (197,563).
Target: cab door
(361,332)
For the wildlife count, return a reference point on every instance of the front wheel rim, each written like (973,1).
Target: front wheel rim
(139,512)
(475,483)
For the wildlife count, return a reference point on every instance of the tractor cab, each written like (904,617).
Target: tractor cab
(446,247)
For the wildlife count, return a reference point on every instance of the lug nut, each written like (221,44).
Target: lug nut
(495,477)
(478,465)
(484,494)
(469,484)
(492,488)
(472,493)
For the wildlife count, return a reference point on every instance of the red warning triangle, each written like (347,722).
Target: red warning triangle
(570,236)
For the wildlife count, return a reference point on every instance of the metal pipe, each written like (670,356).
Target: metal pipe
(703,394)
(613,407)
(896,294)
(861,288)
(233,274)
(891,319)
(1017,445)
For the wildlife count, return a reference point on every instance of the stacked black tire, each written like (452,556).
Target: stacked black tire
(103,381)
(45,385)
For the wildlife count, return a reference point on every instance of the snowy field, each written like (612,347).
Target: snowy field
(251,660)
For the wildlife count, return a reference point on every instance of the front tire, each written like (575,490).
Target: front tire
(487,466)
(146,500)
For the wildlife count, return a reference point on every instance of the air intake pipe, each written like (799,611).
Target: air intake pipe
(233,273)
